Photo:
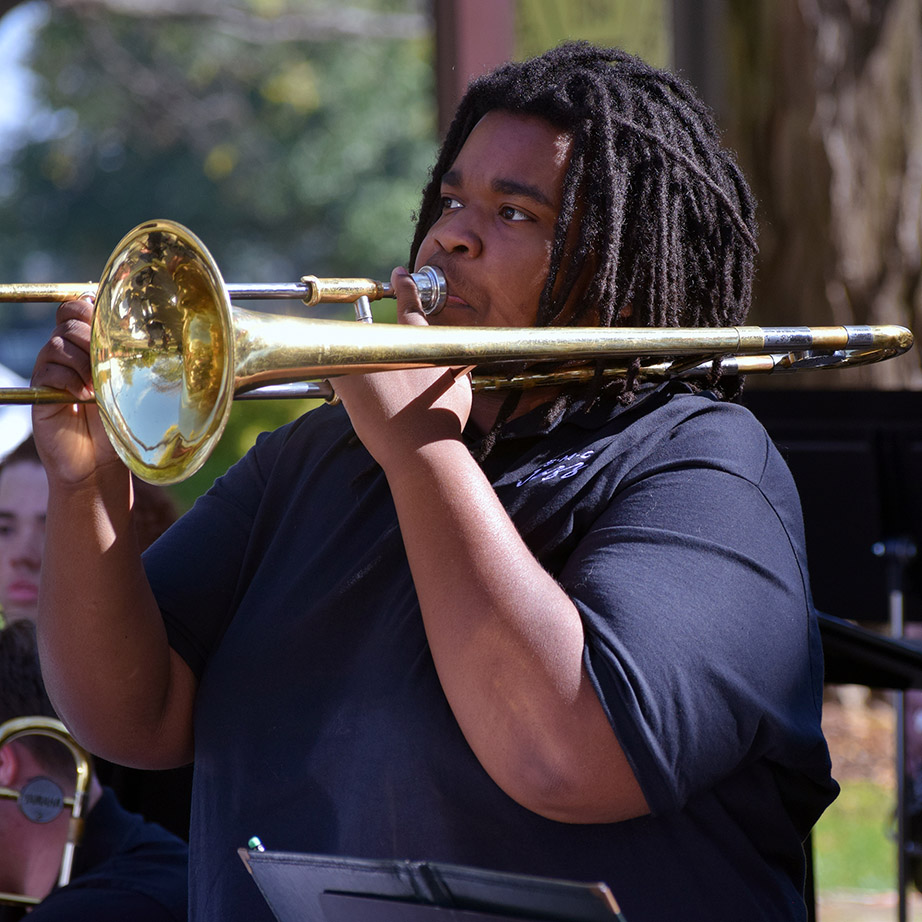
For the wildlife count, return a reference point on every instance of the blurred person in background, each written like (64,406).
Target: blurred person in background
(23,507)
(125,869)
(161,796)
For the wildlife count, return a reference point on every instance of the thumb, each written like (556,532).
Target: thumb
(409,305)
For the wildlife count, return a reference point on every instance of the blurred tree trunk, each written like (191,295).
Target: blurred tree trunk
(824,106)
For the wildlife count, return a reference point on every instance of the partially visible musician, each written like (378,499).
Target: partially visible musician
(160,796)
(565,633)
(124,869)
(23,509)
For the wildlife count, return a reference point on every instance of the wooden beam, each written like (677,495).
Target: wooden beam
(472,37)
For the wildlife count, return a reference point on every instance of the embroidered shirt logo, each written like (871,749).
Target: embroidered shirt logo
(558,468)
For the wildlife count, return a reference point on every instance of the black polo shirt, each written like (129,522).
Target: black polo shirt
(321,726)
(125,870)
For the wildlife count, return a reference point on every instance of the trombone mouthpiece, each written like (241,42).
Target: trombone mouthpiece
(432,288)
(431,285)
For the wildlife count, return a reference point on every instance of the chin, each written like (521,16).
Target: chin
(454,316)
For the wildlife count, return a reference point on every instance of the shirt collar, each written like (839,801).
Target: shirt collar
(533,423)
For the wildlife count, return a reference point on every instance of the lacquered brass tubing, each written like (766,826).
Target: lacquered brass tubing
(169,351)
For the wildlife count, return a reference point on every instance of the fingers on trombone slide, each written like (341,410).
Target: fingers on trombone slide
(74,317)
(80,305)
(64,366)
(64,362)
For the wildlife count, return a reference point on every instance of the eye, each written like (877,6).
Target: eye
(513,214)
(449,203)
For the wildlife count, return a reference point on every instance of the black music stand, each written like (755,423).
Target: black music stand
(856,656)
(326,888)
(857,459)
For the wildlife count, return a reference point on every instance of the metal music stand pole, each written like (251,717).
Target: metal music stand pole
(897,553)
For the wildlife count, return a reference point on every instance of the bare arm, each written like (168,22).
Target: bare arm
(506,640)
(109,669)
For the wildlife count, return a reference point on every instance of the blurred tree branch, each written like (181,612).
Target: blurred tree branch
(171,106)
(325,24)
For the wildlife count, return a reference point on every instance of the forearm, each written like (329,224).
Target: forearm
(507,643)
(109,669)
(506,640)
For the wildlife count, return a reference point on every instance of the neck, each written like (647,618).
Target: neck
(486,405)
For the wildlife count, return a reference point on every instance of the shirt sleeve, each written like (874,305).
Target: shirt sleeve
(195,568)
(698,618)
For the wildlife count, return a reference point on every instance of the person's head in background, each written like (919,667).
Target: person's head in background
(23,507)
(31,850)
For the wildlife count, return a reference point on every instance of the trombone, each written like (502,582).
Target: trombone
(170,353)
(41,800)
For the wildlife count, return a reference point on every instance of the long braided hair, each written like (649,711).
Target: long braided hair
(663,220)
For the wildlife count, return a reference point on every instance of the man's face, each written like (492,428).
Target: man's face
(500,201)
(23,504)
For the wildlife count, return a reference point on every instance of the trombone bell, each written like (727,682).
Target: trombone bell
(167,345)
(160,340)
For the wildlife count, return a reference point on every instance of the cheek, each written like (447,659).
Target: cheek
(426,249)
(536,276)
(537,267)
(521,301)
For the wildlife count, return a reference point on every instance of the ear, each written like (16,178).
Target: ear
(10,765)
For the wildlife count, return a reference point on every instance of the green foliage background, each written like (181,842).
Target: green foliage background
(305,156)
(639,26)
(854,843)
(286,155)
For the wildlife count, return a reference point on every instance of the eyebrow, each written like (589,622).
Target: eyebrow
(503,186)
(7,516)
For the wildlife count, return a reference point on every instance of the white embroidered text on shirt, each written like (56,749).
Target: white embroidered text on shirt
(559,468)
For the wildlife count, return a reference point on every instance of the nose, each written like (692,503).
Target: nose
(458,232)
(27,548)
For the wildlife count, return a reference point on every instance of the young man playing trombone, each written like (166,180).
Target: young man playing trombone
(565,633)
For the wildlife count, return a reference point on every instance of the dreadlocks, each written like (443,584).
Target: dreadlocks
(657,225)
